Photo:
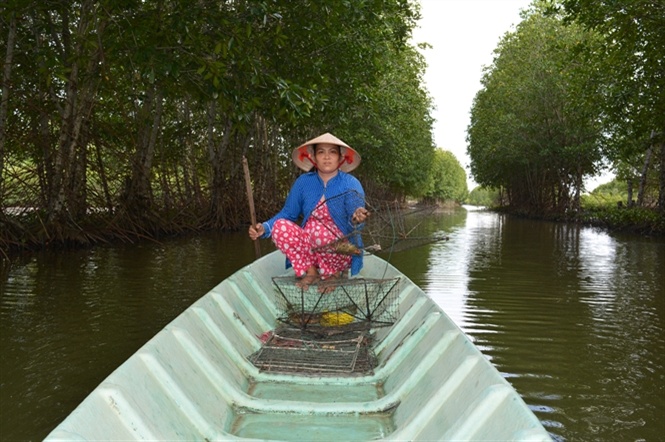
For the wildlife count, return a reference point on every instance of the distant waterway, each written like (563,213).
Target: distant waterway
(573,317)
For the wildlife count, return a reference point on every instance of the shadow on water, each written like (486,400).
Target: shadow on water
(574,318)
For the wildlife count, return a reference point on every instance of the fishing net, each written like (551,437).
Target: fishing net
(391,226)
(326,328)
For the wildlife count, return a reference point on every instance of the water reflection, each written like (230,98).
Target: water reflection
(573,317)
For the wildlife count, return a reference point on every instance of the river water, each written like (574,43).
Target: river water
(573,317)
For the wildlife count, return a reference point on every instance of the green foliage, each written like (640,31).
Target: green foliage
(608,206)
(631,62)
(142,109)
(607,199)
(534,129)
(635,219)
(615,194)
(614,187)
(483,196)
(447,178)
(394,129)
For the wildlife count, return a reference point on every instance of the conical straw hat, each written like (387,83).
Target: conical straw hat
(303,155)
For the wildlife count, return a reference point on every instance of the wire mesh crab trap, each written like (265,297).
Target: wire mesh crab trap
(354,303)
(291,350)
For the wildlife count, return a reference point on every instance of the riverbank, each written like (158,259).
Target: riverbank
(634,220)
(27,233)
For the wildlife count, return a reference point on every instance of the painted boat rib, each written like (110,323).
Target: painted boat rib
(432,407)
(181,401)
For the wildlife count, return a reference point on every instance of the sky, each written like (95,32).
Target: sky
(463,35)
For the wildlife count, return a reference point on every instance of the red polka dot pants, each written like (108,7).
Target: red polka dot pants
(297,243)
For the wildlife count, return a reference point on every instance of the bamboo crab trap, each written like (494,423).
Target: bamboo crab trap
(325,328)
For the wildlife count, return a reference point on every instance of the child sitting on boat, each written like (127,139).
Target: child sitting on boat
(331,204)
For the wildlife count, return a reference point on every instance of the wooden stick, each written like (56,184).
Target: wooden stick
(250,198)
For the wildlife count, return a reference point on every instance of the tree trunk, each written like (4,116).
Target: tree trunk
(69,165)
(66,145)
(6,74)
(643,177)
(138,191)
(579,184)
(45,166)
(216,153)
(167,197)
(630,185)
(103,178)
(77,183)
(661,190)
(577,195)
(190,177)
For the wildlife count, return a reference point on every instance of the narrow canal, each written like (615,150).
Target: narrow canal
(574,318)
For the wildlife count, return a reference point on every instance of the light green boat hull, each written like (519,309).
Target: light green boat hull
(193,380)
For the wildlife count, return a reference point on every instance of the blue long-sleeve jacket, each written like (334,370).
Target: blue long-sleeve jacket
(343,193)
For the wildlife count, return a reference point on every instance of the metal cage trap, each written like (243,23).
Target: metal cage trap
(354,303)
(325,328)
(291,350)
